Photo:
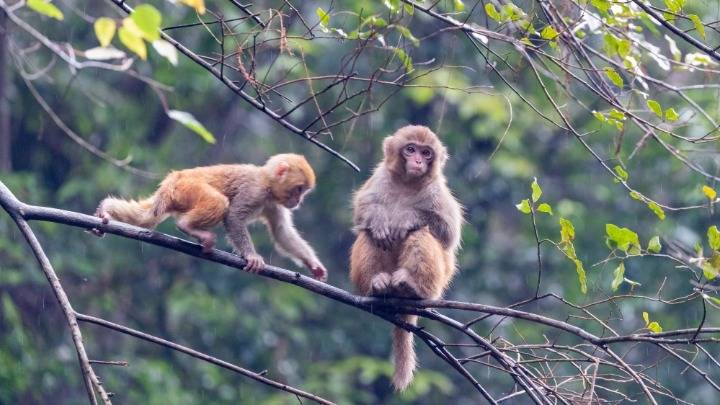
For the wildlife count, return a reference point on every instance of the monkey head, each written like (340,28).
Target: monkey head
(291,177)
(414,153)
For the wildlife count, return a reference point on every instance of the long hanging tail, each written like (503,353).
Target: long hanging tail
(403,355)
(147,213)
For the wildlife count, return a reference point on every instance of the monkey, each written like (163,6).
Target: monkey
(408,227)
(238,194)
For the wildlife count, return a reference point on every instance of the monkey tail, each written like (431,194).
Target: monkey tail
(403,355)
(142,213)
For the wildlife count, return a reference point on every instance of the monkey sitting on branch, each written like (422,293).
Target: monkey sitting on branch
(408,231)
(201,197)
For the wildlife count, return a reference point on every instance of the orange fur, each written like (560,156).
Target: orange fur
(199,197)
(408,226)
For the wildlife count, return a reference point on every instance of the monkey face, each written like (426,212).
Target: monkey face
(418,159)
(294,196)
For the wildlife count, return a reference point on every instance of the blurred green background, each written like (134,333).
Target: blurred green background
(305,340)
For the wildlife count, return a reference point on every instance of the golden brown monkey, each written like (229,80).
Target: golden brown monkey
(408,231)
(201,197)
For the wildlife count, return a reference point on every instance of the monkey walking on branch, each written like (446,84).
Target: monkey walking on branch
(201,197)
(408,231)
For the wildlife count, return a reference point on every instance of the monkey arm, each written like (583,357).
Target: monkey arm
(445,222)
(289,242)
(238,234)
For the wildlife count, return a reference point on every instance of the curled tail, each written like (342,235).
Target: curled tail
(147,213)
(403,355)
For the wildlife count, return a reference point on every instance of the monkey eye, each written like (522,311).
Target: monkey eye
(298,190)
(427,154)
(410,149)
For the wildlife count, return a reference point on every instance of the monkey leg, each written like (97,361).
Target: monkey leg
(207,207)
(370,266)
(422,266)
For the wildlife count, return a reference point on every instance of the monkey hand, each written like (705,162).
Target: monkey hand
(317,269)
(105,219)
(382,236)
(255,262)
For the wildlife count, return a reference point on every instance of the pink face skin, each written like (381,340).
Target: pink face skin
(295,198)
(417,159)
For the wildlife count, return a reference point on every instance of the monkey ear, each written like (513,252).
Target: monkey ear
(281,169)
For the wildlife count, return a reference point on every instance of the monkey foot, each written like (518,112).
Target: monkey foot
(403,284)
(380,284)
(207,244)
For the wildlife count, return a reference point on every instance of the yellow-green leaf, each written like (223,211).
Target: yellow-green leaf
(655,107)
(549,33)
(459,5)
(492,12)
(619,275)
(524,206)
(45,8)
(198,5)
(133,42)
(654,245)
(671,114)
(646,318)
(698,24)
(323,15)
(614,76)
(546,208)
(567,230)
(709,192)
(536,190)
(654,207)
(190,122)
(582,278)
(713,235)
(709,271)
(148,19)
(104,30)
(655,327)
(621,172)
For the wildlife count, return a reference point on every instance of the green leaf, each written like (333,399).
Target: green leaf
(536,190)
(614,76)
(45,8)
(324,16)
(713,235)
(624,239)
(619,274)
(618,115)
(104,30)
(524,206)
(635,195)
(698,24)
(671,115)
(655,107)
(709,272)
(410,9)
(674,5)
(492,12)
(713,300)
(582,278)
(148,19)
(405,59)
(600,116)
(546,208)
(392,5)
(190,122)
(405,32)
(655,327)
(654,207)
(133,42)
(602,5)
(549,33)
(567,230)
(621,173)
(654,245)
(646,318)
(709,192)
(459,5)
